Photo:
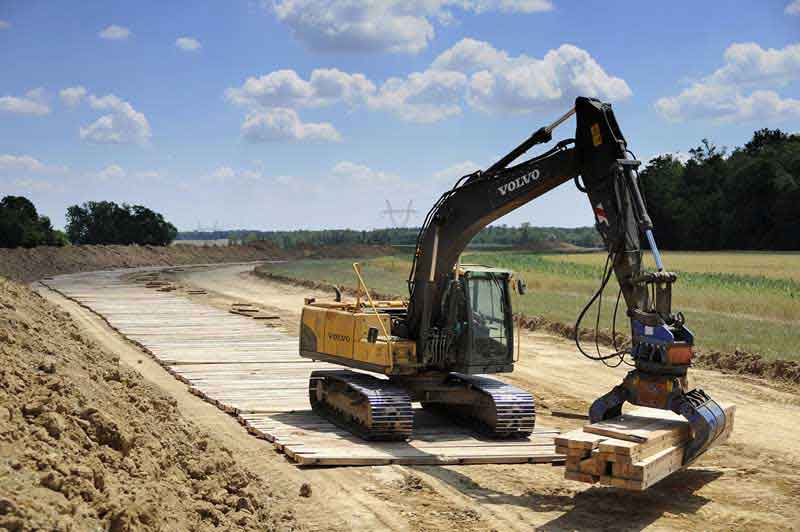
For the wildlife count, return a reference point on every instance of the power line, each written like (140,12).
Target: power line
(406,213)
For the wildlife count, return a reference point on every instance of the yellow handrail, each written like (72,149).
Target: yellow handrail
(357,269)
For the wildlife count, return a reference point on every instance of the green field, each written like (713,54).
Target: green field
(732,300)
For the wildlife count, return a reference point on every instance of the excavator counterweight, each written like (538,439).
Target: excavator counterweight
(458,322)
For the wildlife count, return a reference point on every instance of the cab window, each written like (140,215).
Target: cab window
(487,301)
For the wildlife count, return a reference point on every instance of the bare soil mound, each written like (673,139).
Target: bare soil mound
(315,285)
(746,363)
(87,444)
(31,264)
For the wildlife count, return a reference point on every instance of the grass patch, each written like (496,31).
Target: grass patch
(745,301)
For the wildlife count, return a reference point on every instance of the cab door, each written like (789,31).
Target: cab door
(490,323)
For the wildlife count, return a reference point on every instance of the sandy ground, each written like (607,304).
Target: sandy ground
(749,483)
(87,443)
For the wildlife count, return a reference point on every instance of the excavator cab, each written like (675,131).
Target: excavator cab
(487,334)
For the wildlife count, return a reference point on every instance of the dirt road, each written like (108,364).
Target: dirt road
(750,483)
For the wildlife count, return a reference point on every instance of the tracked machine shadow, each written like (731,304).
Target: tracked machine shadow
(457,324)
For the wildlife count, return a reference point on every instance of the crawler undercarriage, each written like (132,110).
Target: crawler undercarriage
(381,409)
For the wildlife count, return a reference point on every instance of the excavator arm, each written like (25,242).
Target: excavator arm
(598,157)
(462,213)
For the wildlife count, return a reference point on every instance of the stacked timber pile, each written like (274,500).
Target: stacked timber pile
(633,451)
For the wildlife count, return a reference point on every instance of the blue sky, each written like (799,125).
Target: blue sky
(311,113)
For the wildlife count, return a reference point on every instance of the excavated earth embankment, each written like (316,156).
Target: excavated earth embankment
(28,265)
(87,444)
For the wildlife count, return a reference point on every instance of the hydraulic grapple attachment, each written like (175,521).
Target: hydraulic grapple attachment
(707,419)
(662,354)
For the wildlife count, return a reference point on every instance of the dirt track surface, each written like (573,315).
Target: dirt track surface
(749,483)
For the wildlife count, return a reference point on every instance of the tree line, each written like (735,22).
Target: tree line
(105,222)
(748,199)
(94,222)
(21,225)
(493,236)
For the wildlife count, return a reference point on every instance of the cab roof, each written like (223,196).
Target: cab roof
(477,268)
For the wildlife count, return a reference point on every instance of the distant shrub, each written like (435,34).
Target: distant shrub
(21,225)
(105,222)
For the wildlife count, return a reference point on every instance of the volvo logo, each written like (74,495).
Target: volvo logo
(519,182)
(338,337)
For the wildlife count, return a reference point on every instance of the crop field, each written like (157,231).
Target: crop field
(732,300)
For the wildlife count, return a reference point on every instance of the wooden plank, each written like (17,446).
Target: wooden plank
(577,439)
(255,373)
(640,426)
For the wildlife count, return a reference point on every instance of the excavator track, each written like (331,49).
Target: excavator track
(372,409)
(497,409)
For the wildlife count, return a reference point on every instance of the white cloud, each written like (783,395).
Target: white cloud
(737,91)
(188,44)
(4,24)
(388,25)
(124,125)
(470,73)
(422,97)
(280,123)
(360,25)
(278,88)
(725,104)
(470,55)
(111,172)
(33,103)
(748,63)
(793,8)
(115,33)
(456,171)
(500,82)
(26,163)
(72,96)
(330,85)
(226,174)
(346,172)
(283,88)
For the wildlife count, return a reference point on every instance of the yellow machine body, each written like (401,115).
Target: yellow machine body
(340,333)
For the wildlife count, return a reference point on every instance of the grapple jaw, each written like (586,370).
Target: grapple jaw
(707,422)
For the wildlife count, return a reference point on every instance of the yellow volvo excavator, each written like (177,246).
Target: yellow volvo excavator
(457,324)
